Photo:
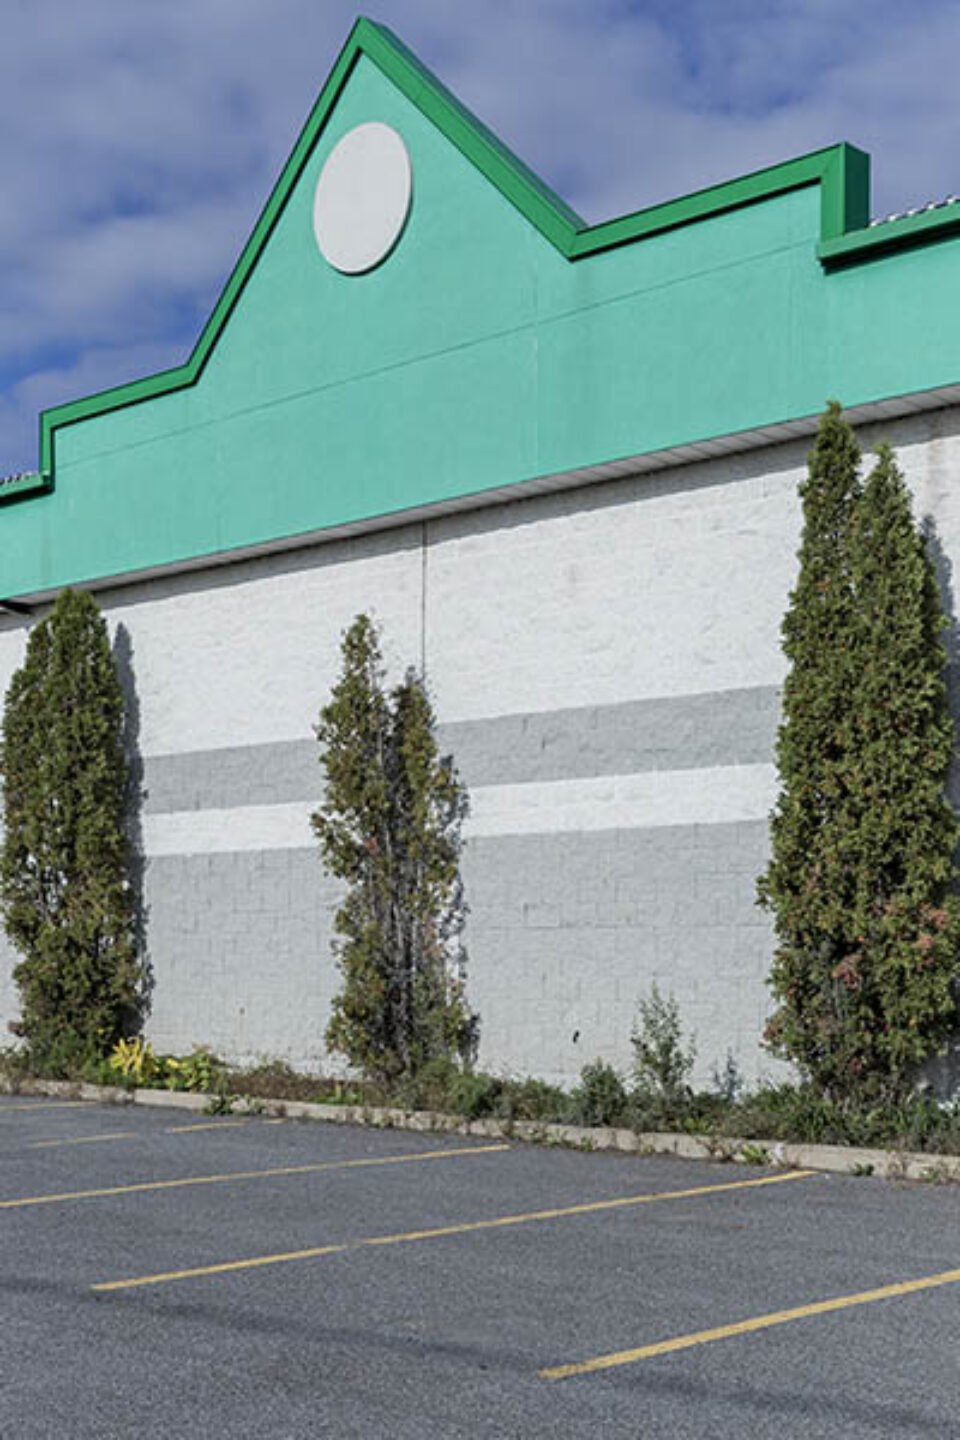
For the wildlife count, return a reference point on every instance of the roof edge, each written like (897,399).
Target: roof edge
(732,443)
(842,171)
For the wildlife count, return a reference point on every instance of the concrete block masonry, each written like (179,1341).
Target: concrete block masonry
(606,669)
(559,464)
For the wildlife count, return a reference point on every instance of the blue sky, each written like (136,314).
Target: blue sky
(139,138)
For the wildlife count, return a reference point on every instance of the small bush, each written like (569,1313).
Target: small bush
(427,1088)
(476,1096)
(220,1102)
(133,1062)
(14,1066)
(663,1061)
(343,1094)
(530,1099)
(66,1057)
(200,1072)
(443,1085)
(601,1097)
(750,1154)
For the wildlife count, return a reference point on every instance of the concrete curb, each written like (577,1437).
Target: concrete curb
(837,1159)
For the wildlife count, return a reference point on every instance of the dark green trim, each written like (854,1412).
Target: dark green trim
(15,487)
(551,215)
(845,203)
(875,240)
(841,171)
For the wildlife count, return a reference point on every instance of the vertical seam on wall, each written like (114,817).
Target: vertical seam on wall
(423,597)
(536,365)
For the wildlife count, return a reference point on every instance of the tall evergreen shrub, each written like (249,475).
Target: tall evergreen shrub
(863,840)
(65,892)
(390,827)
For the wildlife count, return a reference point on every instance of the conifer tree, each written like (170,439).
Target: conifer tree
(353,828)
(901,990)
(67,902)
(862,837)
(389,826)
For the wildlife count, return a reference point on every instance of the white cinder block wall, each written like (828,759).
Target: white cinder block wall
(605,663)
(12,648)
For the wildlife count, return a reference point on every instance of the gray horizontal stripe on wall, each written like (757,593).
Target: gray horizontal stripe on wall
(686,732)
(673,880)
(270,774)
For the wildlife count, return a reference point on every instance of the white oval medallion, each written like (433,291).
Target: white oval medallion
(362,198)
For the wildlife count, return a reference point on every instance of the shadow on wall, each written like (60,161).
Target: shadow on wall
(136,794)
(943,569)
(943,1072)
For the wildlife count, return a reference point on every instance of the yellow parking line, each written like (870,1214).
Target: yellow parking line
(205,1125)
(82,1140)
(48,1105)
(499,1222)
(135,1135)
(246,1175)
(746,1327)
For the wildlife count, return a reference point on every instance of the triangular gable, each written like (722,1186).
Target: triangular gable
(588,351)
(841,171)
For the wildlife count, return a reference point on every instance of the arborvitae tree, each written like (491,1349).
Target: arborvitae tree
(67,902)
(804,883)
(352,827)
(430,805)
(390,827)
(862,837)
(903,905)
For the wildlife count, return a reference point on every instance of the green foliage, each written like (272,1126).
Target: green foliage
(862,837)
(802,1113)
(476,1095)
(220,1102)
(528,1098)
(342,1094)
(200,1072)
(662,1061)
(15,1067)
(390,827)
(600,1098)
(247,1105)
(65,893)
(769,1113)
(134,1062)
(753,1154)
(427,1087)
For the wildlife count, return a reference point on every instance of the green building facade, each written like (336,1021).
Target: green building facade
(559,463)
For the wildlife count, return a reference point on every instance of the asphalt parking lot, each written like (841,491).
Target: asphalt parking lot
(171,1274)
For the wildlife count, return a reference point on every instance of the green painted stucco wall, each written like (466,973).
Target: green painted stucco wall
(479,355)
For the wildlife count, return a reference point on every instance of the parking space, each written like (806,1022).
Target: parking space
(261,1278)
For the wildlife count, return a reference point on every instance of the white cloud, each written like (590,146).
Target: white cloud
(140,140)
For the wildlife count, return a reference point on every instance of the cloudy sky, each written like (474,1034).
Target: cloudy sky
(139,138)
